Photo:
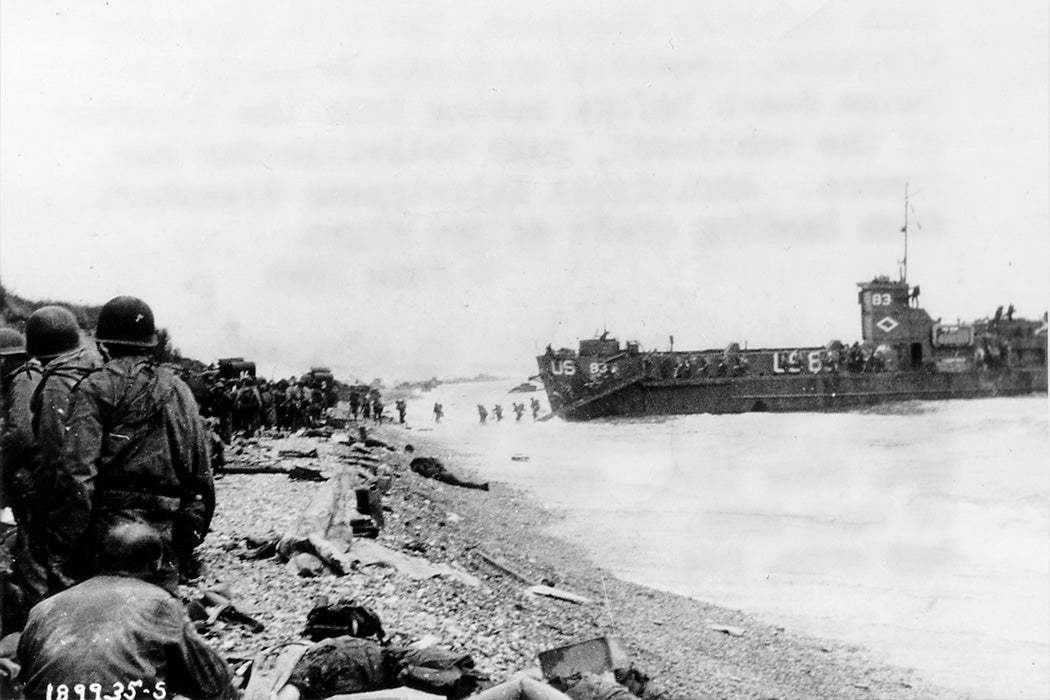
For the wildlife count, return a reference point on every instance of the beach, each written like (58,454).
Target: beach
(689,648)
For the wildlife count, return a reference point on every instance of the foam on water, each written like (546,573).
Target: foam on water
(920,531)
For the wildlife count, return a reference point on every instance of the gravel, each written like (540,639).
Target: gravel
(669,637)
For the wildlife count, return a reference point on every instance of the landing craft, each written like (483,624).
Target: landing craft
(903,355)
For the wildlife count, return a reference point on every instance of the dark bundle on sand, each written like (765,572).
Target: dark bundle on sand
(434,469)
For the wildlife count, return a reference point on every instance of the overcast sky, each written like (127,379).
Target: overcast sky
(406,189)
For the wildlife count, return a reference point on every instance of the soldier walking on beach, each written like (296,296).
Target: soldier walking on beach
(519,411)
(136,450)
(20,375)
(401,408)
(482,414)
(355,404)
(377,410)
(498,411)
(53,339)
(439,412)
(535,407)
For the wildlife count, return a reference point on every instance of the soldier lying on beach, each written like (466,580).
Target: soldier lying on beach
(433,469)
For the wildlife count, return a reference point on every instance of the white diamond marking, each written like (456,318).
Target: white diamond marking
(887,324)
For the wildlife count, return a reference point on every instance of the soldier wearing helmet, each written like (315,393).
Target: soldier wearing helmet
(20,375)
(136,450)
(33,441)
(12,352)
(18,378)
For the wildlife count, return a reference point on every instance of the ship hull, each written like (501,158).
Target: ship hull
(904,355)
(814,393)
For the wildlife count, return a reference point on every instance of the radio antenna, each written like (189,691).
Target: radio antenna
(904,230)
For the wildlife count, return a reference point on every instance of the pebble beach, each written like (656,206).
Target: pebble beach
(688,648)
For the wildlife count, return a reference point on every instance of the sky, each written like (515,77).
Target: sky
(411,189)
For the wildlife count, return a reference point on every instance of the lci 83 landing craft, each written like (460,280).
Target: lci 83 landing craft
(903,355)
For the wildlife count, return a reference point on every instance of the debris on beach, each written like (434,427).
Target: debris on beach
(432,468)
(450,569)
(551,592)
(731,630)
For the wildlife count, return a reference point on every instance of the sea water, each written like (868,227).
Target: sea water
(920,531)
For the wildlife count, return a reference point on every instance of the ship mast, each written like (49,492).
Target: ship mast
(904,230)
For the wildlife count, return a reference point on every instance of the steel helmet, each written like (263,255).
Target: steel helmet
(51,331)
(12,342)
(126,321)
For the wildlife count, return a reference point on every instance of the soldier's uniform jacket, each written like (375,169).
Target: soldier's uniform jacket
(126,635)
(50,409)
(17,435)
(136,450)
(34,475)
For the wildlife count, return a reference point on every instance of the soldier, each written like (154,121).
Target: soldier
(401,408)
(19,375)
(377,409)
(293,406)
(18,379)
(268,412)
(355,404)
(247,407)
(483,414)
(136,450)
(497,410)
(439,412)
(12,354)
(53,339)
(280,404)
(318,404)
(519,411)
(117,630)
(535,404)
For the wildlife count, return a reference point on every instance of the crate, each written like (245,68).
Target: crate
(592,656)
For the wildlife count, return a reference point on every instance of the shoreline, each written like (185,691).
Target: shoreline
(667,636)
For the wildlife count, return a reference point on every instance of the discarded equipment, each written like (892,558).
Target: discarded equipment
(592,656)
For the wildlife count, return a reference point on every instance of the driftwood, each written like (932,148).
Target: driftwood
(502,566)
(731,630)
(559,594)
(251,470)
(305,454)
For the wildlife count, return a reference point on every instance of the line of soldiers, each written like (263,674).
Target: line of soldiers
(368,404)
(730,364)
(497,411)
(243,405)
(93,437)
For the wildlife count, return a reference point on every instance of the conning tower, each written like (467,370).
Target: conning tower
(890,315)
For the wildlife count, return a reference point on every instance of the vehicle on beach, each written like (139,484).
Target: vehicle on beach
(235,368)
